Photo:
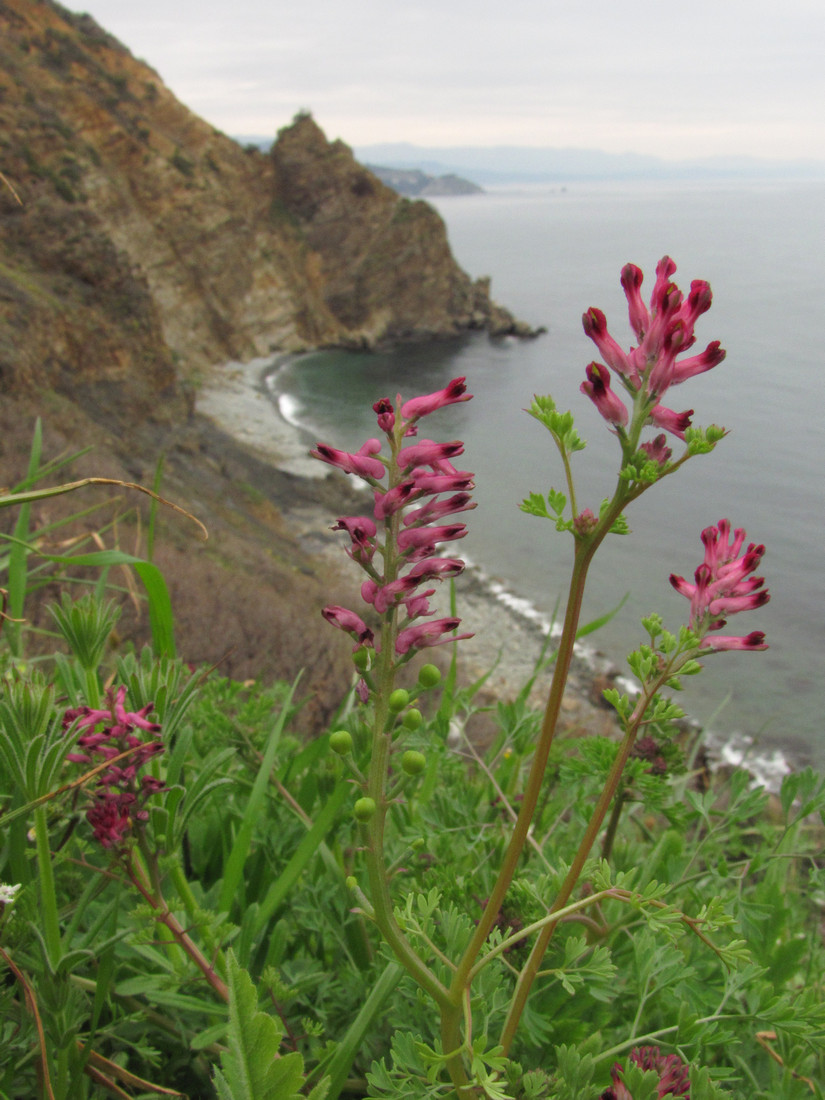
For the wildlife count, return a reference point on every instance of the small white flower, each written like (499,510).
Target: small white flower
(8,893)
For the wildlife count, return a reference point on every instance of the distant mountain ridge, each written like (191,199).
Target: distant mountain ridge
(530,164)
(415,184)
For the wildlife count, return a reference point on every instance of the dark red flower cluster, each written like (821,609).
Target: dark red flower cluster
(674,1074)
(424,488)
(120,795)
(664,331)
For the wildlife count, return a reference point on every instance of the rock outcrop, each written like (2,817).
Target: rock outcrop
(139,247)
(139,244)
(416,184)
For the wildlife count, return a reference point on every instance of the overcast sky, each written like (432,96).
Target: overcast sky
(677,80)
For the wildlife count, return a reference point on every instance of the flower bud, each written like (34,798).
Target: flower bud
(398,700)
(341,742)
(351,882)
(429,676)
(363,809)
(413,763)
(361,659)
(413,719)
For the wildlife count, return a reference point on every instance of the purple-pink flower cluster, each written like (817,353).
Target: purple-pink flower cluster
(398,545)
(120,794)
(674,1074)
(664,331)
(724,586)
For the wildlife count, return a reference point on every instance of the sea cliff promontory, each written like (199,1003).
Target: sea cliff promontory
(140,244)
(140,252)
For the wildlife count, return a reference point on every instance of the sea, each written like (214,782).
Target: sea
(552,252)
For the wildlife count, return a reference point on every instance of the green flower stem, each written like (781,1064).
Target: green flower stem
(48,897)
(451,1016)
(533,964)
(376,785)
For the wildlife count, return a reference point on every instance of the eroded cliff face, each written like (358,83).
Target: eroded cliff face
(139,244)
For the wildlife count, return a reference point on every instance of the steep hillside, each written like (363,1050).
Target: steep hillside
(139,247)
(137,243)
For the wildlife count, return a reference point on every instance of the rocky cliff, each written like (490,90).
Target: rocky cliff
(138,244)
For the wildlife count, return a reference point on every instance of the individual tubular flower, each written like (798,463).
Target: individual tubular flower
(597,388)
(419,473)
(428,634)
(665,331)
(349,622)
(674,1074)
(724,586)
(360,463)
(423,406)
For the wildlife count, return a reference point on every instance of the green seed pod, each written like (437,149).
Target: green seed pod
(361,659)
(413,719)
(413,763)
(429,676)
(341,742)
(363,809)
(398,700)
(352,882)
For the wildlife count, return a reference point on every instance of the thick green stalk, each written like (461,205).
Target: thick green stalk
(92,687)
(380,896)
(48,897)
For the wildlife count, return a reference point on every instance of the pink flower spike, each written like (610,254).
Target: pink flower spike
(597,388)
(595,326)
(359,463)
(671,421)
(427,634)
(422,406)
(724,586)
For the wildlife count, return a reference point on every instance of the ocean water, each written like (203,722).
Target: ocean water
(552,254)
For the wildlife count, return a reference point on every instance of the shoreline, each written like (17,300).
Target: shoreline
(508,631)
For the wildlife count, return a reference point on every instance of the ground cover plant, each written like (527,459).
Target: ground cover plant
(196,902)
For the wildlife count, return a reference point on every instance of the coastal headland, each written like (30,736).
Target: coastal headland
(143,251)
